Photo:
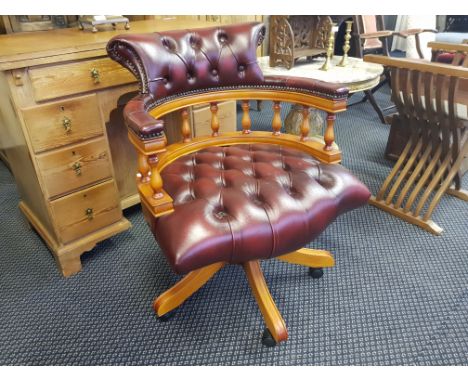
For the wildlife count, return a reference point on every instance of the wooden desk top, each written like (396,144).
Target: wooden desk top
(35,48)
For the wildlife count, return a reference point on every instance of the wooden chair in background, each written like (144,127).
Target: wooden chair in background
(447,53)
(371,37)
(432,101)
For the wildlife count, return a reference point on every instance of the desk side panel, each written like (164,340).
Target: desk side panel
(16,149)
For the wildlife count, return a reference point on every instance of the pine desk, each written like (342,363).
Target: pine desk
(63,137)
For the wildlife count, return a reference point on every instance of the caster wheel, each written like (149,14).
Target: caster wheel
(315,273)
(267,339)
(166,317)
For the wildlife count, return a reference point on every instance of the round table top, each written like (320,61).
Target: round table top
(356,76)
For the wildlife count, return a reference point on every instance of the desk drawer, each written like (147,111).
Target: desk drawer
(55,81)
(61,123)
(86,211)
(76,166)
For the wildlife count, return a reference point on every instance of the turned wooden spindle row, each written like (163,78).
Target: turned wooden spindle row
(147,165)
(277,123)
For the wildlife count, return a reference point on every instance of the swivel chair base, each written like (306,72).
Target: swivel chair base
(275,331)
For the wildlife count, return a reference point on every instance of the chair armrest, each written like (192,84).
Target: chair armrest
(412,32)
(379,34)
(307,85)
(140,121)
(448,46)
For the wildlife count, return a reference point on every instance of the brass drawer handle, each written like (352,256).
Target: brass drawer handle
(89,213)
(77,167)
(67,123)
(95,75)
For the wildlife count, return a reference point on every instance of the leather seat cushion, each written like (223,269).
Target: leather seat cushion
(246,202)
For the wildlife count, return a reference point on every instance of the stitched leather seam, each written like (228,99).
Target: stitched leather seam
(137,70)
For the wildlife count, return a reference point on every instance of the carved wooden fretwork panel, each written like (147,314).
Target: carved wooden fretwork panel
(297,36)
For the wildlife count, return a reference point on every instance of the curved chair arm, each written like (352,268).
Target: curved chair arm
(413,32)
(379,34)
(146,128)
(140,121)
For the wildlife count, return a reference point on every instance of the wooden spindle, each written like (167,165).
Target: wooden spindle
(214,119)
(156,181)
(305,126)
(185,126)
(143,168)
(246,122)
(276,123)
(329,136)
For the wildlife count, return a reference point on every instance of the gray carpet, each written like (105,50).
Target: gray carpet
(397,295)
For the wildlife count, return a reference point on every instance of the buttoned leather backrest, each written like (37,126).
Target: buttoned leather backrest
(173,62)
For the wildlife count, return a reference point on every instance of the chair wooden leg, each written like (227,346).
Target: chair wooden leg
(439,171)
(313,258)
(428,225)
(181,291)
(270,312)
(460,194)
(374,104)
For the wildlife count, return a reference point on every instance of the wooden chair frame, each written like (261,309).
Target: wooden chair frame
(398,136)
(292,37)
(460,51)
(154,155)
(431,160)
(383,35)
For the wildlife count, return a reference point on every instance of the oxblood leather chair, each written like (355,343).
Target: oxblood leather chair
(230,198)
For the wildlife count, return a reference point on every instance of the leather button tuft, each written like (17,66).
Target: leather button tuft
(214,72)
(168,43)
(290,190)
(257,200)
(195,42)
(241,68)
(222,37)
(220,215)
